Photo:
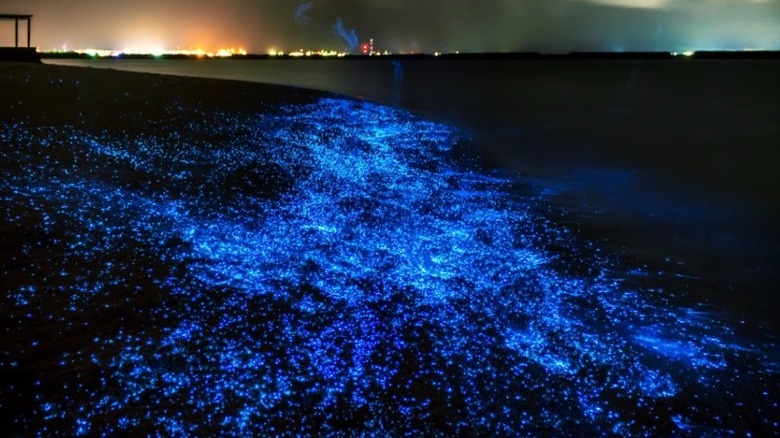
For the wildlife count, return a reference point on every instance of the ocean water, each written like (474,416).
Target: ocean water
(712,120)
(661,160)
(706,123)
(515,261)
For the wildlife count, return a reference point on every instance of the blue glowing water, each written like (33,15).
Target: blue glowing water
(336,266)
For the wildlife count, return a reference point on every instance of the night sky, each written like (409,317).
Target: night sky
(401,25)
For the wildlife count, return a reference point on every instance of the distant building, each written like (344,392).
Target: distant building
(367,48)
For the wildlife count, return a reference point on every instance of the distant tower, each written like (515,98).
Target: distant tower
(367,48)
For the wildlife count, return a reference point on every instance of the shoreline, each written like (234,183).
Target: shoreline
(135,104)
(198,256)
(706,124)
(78,96)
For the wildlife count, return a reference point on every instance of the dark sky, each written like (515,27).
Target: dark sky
(400,25)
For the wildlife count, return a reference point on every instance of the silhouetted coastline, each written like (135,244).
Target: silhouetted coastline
(709,55)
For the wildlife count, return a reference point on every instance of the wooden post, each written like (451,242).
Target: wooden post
(29,32)
(16,34)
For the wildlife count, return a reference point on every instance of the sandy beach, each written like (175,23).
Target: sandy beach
(187,256)
(94,100)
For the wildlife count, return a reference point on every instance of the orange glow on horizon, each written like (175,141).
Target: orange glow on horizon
(197,52)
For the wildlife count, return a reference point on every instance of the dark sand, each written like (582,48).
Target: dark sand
(95,100)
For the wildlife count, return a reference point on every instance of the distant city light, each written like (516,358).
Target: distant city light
(308,53)
(108,53)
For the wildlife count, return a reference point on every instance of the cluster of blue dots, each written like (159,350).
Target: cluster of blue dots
(330,267)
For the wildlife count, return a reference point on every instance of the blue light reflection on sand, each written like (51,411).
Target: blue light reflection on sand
(334,266)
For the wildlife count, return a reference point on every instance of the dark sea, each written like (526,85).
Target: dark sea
(665,160)
(668,169)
